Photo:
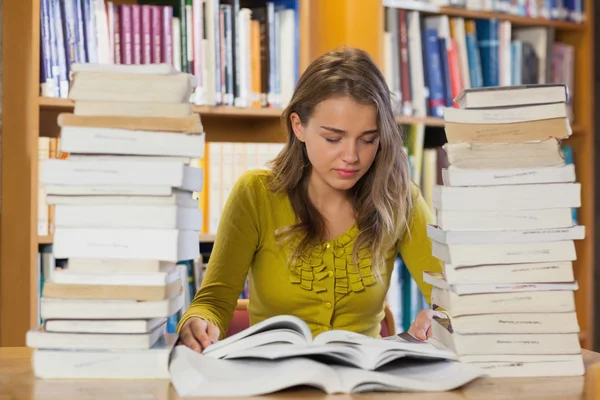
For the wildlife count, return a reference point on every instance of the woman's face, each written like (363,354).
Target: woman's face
(341,141)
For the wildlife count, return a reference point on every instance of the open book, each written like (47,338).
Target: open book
(280,353)
(286,336)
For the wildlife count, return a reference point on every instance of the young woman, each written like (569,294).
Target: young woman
(317,235)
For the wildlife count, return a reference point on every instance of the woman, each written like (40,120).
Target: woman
(318,234)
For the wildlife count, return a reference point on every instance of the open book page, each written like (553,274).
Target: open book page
(194,375)
(408,375)
(340,347)
(280,329)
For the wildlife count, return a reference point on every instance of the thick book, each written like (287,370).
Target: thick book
(280,353)
(127,142)
(285,336)
(150,363)
(453,176)
(511,96)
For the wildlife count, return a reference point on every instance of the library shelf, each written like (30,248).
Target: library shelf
(57,105)
(49,104)
(514,19)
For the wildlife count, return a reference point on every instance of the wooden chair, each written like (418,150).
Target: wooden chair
(241,320)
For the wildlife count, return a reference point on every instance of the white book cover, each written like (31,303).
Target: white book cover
(79,172)
(438,280)
(451,237)
(88,140)
(553,271)
(504,220)
(507,197)
(142,244)
(52,308)
(38,338)
(103,325)
(454,176)
(127,217)
(104,364)
(484,254)
(540,301)
(114,190)
(178,199)
(66,276)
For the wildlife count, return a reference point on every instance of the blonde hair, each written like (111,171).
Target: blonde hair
(381,198)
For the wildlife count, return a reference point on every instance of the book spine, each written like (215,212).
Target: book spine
(117,34)
(167,35)
(71,47)
(47,81)
(489,47)
(437,98)
(198,38)
(136,22)
(126,40)
(57,20)
(146,34)
(80,32)
(405,67)
(156,14)
(90,32)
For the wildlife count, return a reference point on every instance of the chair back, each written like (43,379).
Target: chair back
(241,320)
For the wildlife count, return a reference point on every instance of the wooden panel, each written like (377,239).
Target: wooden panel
(583,153)
(355,23)
(18,215)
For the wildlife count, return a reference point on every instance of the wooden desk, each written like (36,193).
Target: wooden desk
(17,382)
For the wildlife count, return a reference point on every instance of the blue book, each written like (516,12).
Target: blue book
(445,64)
(489,47)
(433,71)
(63,80)
(293,5)
(474,60)
(47,81)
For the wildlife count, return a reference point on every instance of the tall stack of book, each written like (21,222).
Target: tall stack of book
(505,232)
(124,217)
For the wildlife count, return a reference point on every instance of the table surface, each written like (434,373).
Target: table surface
(17,382)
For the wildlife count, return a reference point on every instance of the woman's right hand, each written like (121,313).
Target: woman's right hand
(198,334)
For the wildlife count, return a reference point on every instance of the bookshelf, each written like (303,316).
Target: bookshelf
(324,25)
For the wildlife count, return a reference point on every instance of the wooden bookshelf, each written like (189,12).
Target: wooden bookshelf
(514,19)
(324,25)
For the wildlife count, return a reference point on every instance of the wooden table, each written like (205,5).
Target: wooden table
(17,382)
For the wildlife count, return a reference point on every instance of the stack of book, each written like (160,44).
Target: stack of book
(506,234)
(124,217)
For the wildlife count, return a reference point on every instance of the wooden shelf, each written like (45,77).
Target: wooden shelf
(514,19)
(48,239)
(66,105)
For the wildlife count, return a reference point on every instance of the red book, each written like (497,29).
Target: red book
(156,18)
(454,69)
(167,35)
(146,34)
(126,35)
(136,22)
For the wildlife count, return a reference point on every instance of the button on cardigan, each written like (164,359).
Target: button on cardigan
(324,287)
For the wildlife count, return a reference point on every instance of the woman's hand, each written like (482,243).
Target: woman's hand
(421,326)
(198,334)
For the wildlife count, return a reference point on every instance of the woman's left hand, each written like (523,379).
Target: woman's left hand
(421,326)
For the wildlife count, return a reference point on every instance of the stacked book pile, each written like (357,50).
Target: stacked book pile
(124,217)
(506,234)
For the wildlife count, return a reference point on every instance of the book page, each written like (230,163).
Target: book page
(282,328)
(409,375)
(194,375)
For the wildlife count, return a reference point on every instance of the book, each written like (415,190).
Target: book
(280,352)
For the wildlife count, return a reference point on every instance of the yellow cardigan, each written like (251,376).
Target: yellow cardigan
(324,289)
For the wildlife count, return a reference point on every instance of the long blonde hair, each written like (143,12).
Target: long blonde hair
(381,199)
